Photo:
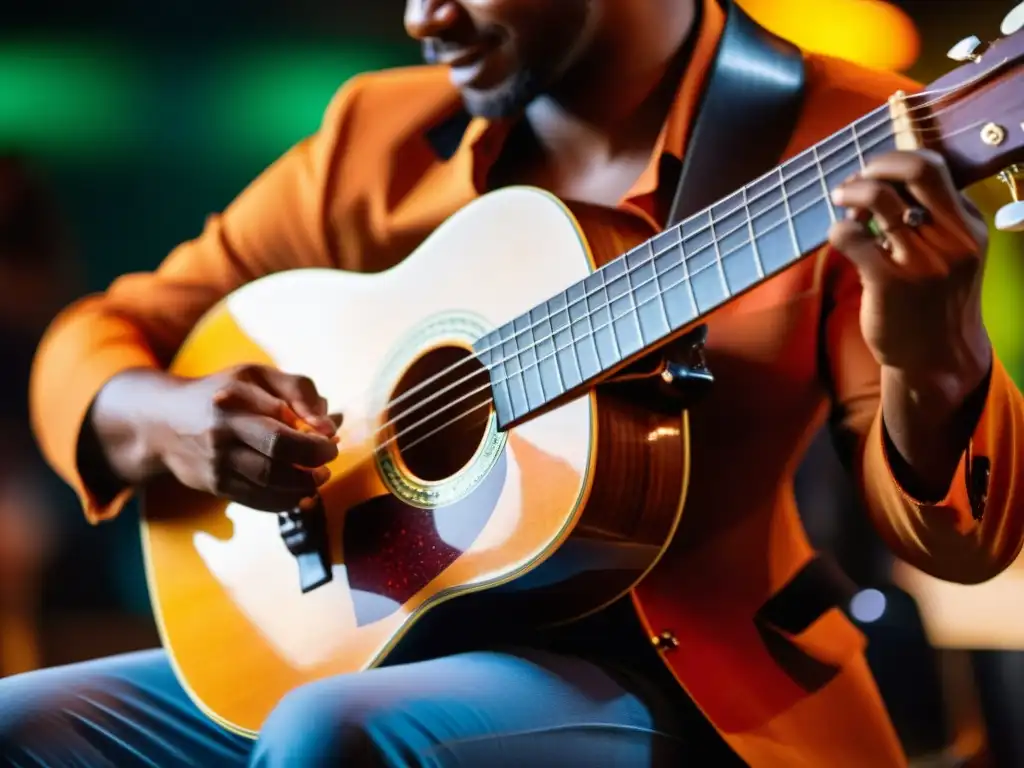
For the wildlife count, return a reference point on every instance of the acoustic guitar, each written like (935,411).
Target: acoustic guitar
(515,435)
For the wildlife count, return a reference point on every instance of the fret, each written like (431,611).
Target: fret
(824,185)
(839,161)
(672,278)
(584,347)
(875,139)
(624,326)
(525,352)
(564,361)
(718,254)
(513,369)
(769,222)
(698,243)
(650,308)
(844,154)
(740,267)
(856,146)
(809,212)
(758,263)
(789,213)
(488,351)
(601,320)
(634,302)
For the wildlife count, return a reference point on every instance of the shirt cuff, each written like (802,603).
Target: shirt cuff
(74,362)
(967,495)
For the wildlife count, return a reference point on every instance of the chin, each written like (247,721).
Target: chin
(505,100)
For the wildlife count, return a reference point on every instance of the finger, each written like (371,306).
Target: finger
(926,176)
(301,394)
(243,395)
(244,491)
(887,208)
(282,443)
(878,197)
(856,243)
(266,473)
(970,207)
(334,419)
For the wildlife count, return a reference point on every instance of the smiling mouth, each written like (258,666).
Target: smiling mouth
(464,56)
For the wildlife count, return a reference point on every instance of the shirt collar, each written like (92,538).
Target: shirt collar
(478,141)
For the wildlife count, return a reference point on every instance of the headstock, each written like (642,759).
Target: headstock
(974,115)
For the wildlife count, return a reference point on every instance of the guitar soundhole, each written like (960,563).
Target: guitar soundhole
(441,415)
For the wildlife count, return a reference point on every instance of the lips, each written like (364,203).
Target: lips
(463,57)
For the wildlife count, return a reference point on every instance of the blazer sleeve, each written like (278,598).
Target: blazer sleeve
(279,222)
(977,529)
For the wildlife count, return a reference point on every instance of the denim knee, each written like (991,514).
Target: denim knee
(314,726)
(31,708)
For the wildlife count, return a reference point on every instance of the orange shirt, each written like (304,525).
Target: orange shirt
(390,162)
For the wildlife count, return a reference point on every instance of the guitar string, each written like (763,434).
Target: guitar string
(684,239)
(593,332)
(942,94)
(409,428)
(687,278)
(654,255)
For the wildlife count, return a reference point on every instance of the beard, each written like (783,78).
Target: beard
(506,100)
(548,61)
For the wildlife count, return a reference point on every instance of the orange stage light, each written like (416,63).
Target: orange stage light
(869,32)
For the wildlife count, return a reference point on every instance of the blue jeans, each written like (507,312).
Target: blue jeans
(485,708)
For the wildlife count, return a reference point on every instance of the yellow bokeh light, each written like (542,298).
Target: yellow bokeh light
(869,32)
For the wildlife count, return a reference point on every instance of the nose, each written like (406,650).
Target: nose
(429,18)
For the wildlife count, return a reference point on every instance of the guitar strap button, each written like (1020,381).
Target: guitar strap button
(666,641)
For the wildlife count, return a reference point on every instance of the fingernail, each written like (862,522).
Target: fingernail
(307,503)
(837,196)
(335,439)
(321,475)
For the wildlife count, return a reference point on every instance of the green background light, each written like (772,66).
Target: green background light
(60,98)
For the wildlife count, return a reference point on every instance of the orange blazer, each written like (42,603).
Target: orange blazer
(390,162)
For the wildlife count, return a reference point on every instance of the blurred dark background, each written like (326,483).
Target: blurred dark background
(123,124)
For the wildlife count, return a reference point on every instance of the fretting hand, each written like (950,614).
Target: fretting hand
(921,268)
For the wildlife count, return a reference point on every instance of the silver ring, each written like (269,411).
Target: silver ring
(915,216)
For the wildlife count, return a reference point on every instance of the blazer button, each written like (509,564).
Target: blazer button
(666,641)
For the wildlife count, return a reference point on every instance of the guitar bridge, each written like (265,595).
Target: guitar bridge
(304,533)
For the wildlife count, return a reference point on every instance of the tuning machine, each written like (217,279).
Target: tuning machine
(1010,218)
(1013,21)
(968,49)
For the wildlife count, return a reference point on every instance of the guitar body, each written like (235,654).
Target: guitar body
(540,524)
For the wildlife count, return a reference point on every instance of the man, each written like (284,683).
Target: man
(592,100)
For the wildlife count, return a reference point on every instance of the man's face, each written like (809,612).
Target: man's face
(502,53)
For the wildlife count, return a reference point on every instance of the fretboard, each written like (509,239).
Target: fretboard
(643,298)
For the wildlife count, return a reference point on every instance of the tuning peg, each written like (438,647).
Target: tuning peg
(1010,218)
(966,49)
(1013,21)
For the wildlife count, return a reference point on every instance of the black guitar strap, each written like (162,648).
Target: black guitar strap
(747,114)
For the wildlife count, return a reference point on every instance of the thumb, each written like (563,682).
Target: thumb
(301,395)
(326,425)
(317,417)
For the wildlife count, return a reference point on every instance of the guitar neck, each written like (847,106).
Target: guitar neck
(644,298)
